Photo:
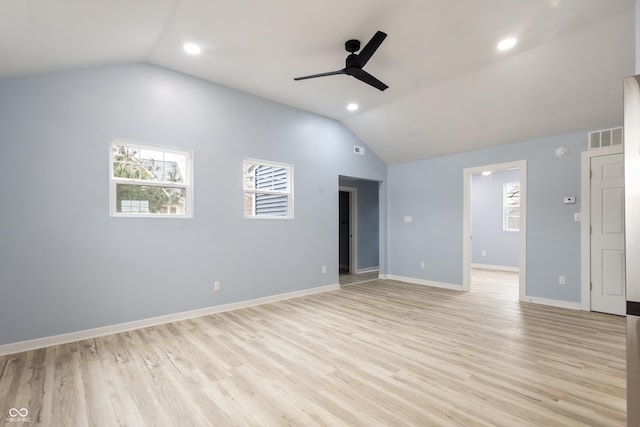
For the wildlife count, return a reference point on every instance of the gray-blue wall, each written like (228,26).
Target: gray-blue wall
(368,221)
(432,192)
(500,248)
(65,265)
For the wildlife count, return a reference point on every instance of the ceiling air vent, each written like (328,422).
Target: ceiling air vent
(358,150)
(605,138)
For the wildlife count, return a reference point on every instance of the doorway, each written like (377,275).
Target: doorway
(603,268)
(358,229)
(509,217)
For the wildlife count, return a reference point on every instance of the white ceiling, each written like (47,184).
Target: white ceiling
(450,89)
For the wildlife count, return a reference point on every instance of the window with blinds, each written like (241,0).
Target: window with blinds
(267,189)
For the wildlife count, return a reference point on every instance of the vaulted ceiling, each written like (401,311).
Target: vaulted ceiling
(450,89)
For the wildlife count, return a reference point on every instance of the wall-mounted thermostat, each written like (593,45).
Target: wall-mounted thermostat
(569,200)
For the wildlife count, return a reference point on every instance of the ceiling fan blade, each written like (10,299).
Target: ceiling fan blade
(313,76)
(363,76)
(367,52)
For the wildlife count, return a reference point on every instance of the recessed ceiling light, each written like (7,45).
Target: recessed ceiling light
(192,48)
(352,107)
(507,44)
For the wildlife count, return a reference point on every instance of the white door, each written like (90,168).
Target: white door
(607,234)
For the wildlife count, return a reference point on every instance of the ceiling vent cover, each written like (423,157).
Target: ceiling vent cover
(605,138)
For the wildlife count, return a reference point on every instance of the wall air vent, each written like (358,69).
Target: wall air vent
(605,138)
(358,150)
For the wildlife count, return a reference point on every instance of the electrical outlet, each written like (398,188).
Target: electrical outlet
(421,264)
(324,268)
(216,286)
(484,253)
(562,280)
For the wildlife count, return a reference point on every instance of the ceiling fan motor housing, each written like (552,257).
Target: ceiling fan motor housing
(351,62)
(352,45)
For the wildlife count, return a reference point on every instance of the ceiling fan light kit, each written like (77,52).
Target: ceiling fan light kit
(356,61)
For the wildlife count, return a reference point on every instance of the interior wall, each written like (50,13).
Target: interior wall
(431,191)
(66,265)
(491,244)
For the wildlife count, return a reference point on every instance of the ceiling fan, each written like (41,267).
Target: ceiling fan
(355,61)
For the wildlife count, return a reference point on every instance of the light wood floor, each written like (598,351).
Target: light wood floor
(371,354)
(350,279)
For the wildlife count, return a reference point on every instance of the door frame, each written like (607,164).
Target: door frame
(353,227)
(585,218)
(466,230)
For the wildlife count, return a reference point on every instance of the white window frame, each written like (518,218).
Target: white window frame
(505,207)
(187,185)
(288,193)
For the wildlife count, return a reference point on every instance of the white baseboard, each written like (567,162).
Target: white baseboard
(37,343)
(422,282)
(368,270)
(495,267)
(553,302)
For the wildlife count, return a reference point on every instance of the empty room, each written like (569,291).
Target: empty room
(286,213)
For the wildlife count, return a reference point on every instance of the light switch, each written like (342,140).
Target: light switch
(408,219)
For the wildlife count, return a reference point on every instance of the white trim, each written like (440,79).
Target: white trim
(466,225)
(552,302)
(495,267)
(353,227)
(422,282)
(153,321)
(585,219)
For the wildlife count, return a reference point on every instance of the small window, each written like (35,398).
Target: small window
(268,189)
(511,206)
(149,181)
